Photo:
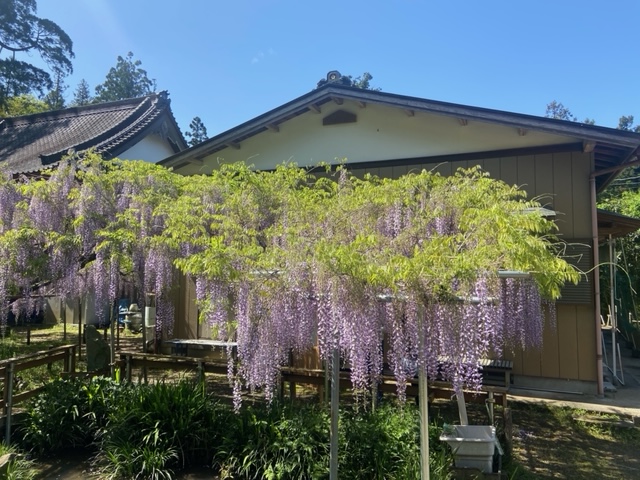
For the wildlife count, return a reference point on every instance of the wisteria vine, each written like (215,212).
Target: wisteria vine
(398,275)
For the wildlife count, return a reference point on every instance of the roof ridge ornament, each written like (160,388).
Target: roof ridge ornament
(335,77)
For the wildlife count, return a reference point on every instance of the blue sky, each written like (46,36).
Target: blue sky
(229,61)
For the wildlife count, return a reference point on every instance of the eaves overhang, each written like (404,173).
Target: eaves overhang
(615,225)
(610,147)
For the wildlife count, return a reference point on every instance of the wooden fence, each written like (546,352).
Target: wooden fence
(11,366)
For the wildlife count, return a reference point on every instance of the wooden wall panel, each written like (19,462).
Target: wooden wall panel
(493,167)
(581,169)
(544,180)
(562,187)
(527,175)
(400,171)
(586,343)
(568,342)
(443,169)
(509,170)
(532,362)
(386,172)
(186,315)
(550,361)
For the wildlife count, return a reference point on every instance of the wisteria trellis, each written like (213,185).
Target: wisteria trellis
(284,260)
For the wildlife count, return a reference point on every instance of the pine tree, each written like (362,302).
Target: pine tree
(23,34)
(55,98)
(197,133)
(82,94)
(125,80)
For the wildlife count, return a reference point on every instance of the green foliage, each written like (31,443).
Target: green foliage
(558,111)
(20,468)
(197,132)
(22,105)
(23,33)
(68,413)
(125,80)
(280,442)
(82,94)
(364,82)
(55,98)
(152,429)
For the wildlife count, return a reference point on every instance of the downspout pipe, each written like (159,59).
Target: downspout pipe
(596,284)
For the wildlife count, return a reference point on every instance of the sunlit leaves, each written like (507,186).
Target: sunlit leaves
(285,260)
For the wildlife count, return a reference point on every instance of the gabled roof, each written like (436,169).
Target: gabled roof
(611,147)
(32,142)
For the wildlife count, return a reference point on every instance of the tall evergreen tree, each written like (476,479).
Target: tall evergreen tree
(125,80)
(24,34)
(55,98)
(82,94)
(197,133)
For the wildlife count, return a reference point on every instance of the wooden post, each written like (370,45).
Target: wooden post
(64,319)
(112,343)
(423,395)
(8,396)
(79,329)
(508,428)
(49,364)
(200,370)
(72,359)
(335,406)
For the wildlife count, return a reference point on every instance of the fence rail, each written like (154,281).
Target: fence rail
(11,366)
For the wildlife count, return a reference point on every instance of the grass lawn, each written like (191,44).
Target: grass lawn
(548,442)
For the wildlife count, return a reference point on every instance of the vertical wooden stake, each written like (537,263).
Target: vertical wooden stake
(423,396)
(335,405)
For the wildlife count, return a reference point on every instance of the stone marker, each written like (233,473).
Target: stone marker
(98,352)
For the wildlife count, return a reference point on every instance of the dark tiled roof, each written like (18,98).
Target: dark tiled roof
(31,142)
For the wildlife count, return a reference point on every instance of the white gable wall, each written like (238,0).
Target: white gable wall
(380,133)
(151,148)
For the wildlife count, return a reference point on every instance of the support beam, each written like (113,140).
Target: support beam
(337,100)
(273,127)
(233,145)
(362,104)
(463,122)
(588,147)
(409,113)
(314,108)
(522,132)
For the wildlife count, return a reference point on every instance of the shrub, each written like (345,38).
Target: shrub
(153,429)
(67,414)
(20,468)
(276,442)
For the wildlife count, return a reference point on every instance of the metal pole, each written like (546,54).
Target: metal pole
(596,285)
(335,402)
(612,302)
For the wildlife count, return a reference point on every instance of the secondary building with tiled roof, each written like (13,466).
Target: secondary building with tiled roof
(141,128)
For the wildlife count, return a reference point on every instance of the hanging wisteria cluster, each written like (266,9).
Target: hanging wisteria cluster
(85,230)
(398,275)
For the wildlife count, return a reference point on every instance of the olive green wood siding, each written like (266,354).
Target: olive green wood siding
(560,182)
(186,309)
